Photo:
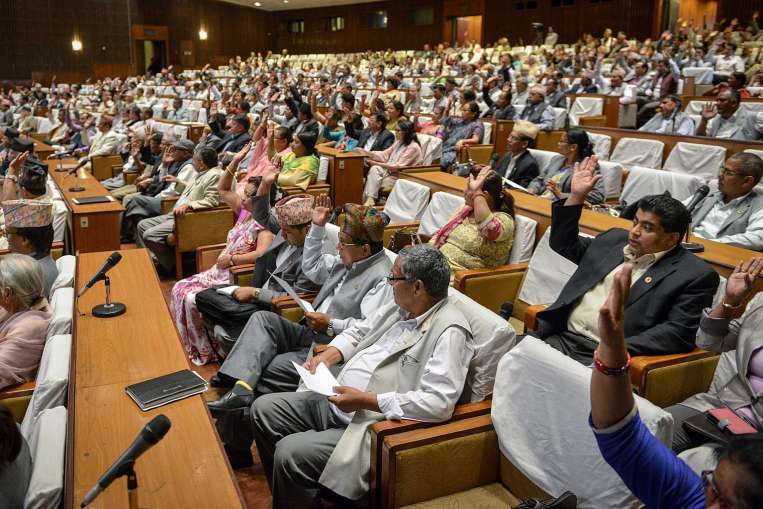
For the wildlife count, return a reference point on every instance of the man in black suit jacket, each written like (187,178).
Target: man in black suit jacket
(670,286)
(518,164)
(235,139)
(376,137)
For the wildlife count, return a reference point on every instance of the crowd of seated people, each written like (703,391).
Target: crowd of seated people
(389,330)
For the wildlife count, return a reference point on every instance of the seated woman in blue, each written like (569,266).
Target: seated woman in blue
(339,138)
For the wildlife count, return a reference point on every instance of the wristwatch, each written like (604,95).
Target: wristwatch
(330,329)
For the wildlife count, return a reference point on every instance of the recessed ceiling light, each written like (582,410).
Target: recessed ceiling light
(286,1)
(257,4)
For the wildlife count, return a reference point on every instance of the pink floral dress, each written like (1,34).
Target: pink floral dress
(201,348)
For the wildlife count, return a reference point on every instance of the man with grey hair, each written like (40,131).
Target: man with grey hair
(408,361)
(734,213)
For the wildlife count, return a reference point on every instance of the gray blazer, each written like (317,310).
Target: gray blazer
(742,338)
(737,222)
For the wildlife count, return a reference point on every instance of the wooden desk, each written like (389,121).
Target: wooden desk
(41,150)
(722,257)
(94,227)
(188,468)
(345,175)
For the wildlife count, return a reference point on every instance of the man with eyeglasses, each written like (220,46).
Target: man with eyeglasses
(353,286)
(734,213)
(408,361)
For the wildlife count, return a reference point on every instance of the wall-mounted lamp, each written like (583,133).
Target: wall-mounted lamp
(76,44)
(202,34)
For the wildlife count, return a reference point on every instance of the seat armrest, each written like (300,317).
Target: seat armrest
(239,273)
(130,177)
(420,169)
(493,286)
(472,437)
(168,204)
(286,302)
(206,256)
(18,390)
(531,316)
(668,379)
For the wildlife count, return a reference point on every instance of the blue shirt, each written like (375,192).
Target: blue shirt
(338,136)
(650,470)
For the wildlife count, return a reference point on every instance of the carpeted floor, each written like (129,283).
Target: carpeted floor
(251,481)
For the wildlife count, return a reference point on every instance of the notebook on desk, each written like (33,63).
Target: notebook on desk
(89,200)
(166,389)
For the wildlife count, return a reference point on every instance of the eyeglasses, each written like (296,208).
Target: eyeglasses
(729,173)
(711,490)
(391,278)
(341,244)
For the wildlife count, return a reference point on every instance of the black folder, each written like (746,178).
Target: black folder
(166,389)
(89,200)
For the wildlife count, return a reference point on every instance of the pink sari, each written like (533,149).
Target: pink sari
(202,349)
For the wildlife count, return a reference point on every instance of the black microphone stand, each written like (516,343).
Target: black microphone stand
(76,188)
(132,485)
(109,309)
(692,247)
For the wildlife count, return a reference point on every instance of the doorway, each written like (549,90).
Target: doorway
(149,52)
(465,29)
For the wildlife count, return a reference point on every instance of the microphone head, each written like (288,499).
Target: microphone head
(115,257)
(156,429)
(703,190)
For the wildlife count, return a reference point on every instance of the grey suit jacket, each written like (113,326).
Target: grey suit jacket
(738,221)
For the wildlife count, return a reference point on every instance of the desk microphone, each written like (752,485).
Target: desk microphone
(699,195)
(148,437)
(112,260)
(79,165)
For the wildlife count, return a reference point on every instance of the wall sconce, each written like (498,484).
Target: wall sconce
(202,34)
(76,44)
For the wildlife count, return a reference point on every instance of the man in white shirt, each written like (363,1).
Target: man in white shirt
(409,362)
(734,213)
(727,63)
(725,119)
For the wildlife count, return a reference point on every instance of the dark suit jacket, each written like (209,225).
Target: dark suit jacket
(383,141)
(557,99)
(524,171)
(664,307)
(579,89)
(237,142)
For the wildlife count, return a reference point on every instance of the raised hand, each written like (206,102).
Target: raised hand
(241,154)
(270,174)
(321,210)
(584,178)
(475,183)
(709,111)
(740,282)
(17,163)
(611,314)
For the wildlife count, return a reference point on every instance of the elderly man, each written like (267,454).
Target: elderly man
(554,97)
(725,119)
(229,314)
(501,108)
(105,142)
(354,286)
(179,113)
(670,119)
(670,286)
(537,110)
(201,193)
(142,158)
(29,228)
(408,362)
(734,213)
(518,164)
(177,166)
(26,123)
(6,115)
(235,139)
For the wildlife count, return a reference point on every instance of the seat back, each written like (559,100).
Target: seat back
(44,125)
(431,148)
(560,118)
(541,404)
(62,309)
(585,107)
(541,285)
(492,337)
(52,380)
(612,176)
(698,159)
(66,266)
(635,151)
(546,159)
(524,239)
(647,181)
(602,144)
(702,75)
(407,201)
(487,132)
(47,446)
(441,208)
(331,240)
(758,153)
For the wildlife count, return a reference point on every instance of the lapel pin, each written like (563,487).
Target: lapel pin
(648,279)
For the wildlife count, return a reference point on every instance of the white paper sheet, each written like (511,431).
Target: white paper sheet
(306,306)
(228,290)
(322,382)
(513,184)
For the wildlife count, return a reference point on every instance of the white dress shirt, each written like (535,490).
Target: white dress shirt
(444,373)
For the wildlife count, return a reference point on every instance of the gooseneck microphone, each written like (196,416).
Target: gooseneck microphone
(112,260)
(148,437)
(699,195)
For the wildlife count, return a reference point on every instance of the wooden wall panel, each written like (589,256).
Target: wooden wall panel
(37,36)
(742,9)
(400,33)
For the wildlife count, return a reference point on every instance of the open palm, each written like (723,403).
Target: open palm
(585,176)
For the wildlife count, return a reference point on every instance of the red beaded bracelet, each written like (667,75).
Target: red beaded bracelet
(601,368)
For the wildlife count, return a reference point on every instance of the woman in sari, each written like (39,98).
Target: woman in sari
(264,150)
(459,132)
(247,240)
(300,168)
(24,318)
(481,233)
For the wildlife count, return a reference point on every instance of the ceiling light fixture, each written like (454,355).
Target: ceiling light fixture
(202,34)
(76,44)
(257,4)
